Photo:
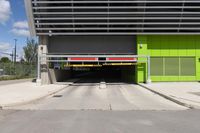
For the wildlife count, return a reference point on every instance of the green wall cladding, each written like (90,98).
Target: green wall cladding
(168,46)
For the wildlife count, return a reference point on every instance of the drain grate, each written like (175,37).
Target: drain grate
(57,96)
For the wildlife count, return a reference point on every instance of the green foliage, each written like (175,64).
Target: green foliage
(18,70)
(30,51)
(5,60)
(13,77)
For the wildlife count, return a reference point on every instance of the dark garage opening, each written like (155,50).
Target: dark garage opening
(109,74)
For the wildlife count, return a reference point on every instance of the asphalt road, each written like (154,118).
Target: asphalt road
(62,121)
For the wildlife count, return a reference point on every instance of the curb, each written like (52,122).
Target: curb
(168,97)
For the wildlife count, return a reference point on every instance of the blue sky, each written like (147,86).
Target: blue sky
(13,25)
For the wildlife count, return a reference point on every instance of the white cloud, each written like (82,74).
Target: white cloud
(4,46)
(5,11)
(21,32)
(21,25)
(20,28)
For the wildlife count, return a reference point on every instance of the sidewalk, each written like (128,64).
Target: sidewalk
(22,93)
(6,82)
(187,93)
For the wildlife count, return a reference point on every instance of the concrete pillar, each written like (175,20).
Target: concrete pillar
(49,76)
(43,50)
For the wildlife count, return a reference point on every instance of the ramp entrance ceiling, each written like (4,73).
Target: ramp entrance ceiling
(92,45)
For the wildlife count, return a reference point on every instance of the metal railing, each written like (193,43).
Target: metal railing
(47,58)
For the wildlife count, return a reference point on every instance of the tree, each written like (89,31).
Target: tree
(5,60)
(30,51)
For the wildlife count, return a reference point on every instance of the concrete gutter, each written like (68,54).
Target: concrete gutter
(168,97)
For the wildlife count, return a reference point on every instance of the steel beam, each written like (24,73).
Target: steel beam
(29,12)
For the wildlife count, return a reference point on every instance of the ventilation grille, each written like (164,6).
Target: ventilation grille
(173,66)
(188,66)
(157,66)
(116,17)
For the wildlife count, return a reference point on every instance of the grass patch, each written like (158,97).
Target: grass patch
(14,77)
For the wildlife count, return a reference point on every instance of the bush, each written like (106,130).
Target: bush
(17,71)
(14,77)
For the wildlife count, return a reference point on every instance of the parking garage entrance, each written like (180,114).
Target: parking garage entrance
(111,58)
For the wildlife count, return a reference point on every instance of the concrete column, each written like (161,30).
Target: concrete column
(49,76)
(43,50)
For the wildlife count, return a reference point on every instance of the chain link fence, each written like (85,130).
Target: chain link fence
(17,70)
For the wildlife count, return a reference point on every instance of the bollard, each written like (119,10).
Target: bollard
(102,85)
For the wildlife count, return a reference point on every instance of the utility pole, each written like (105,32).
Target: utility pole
(12,55)
(15,55)
(15,51)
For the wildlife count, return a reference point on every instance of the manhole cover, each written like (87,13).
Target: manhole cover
(57,95)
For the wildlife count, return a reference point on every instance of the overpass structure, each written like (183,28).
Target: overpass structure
(160,37)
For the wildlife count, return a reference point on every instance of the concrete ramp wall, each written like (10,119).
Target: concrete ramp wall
(56,75)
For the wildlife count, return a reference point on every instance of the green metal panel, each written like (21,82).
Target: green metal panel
(184,46)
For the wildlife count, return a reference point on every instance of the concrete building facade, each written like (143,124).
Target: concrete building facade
(160,38)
